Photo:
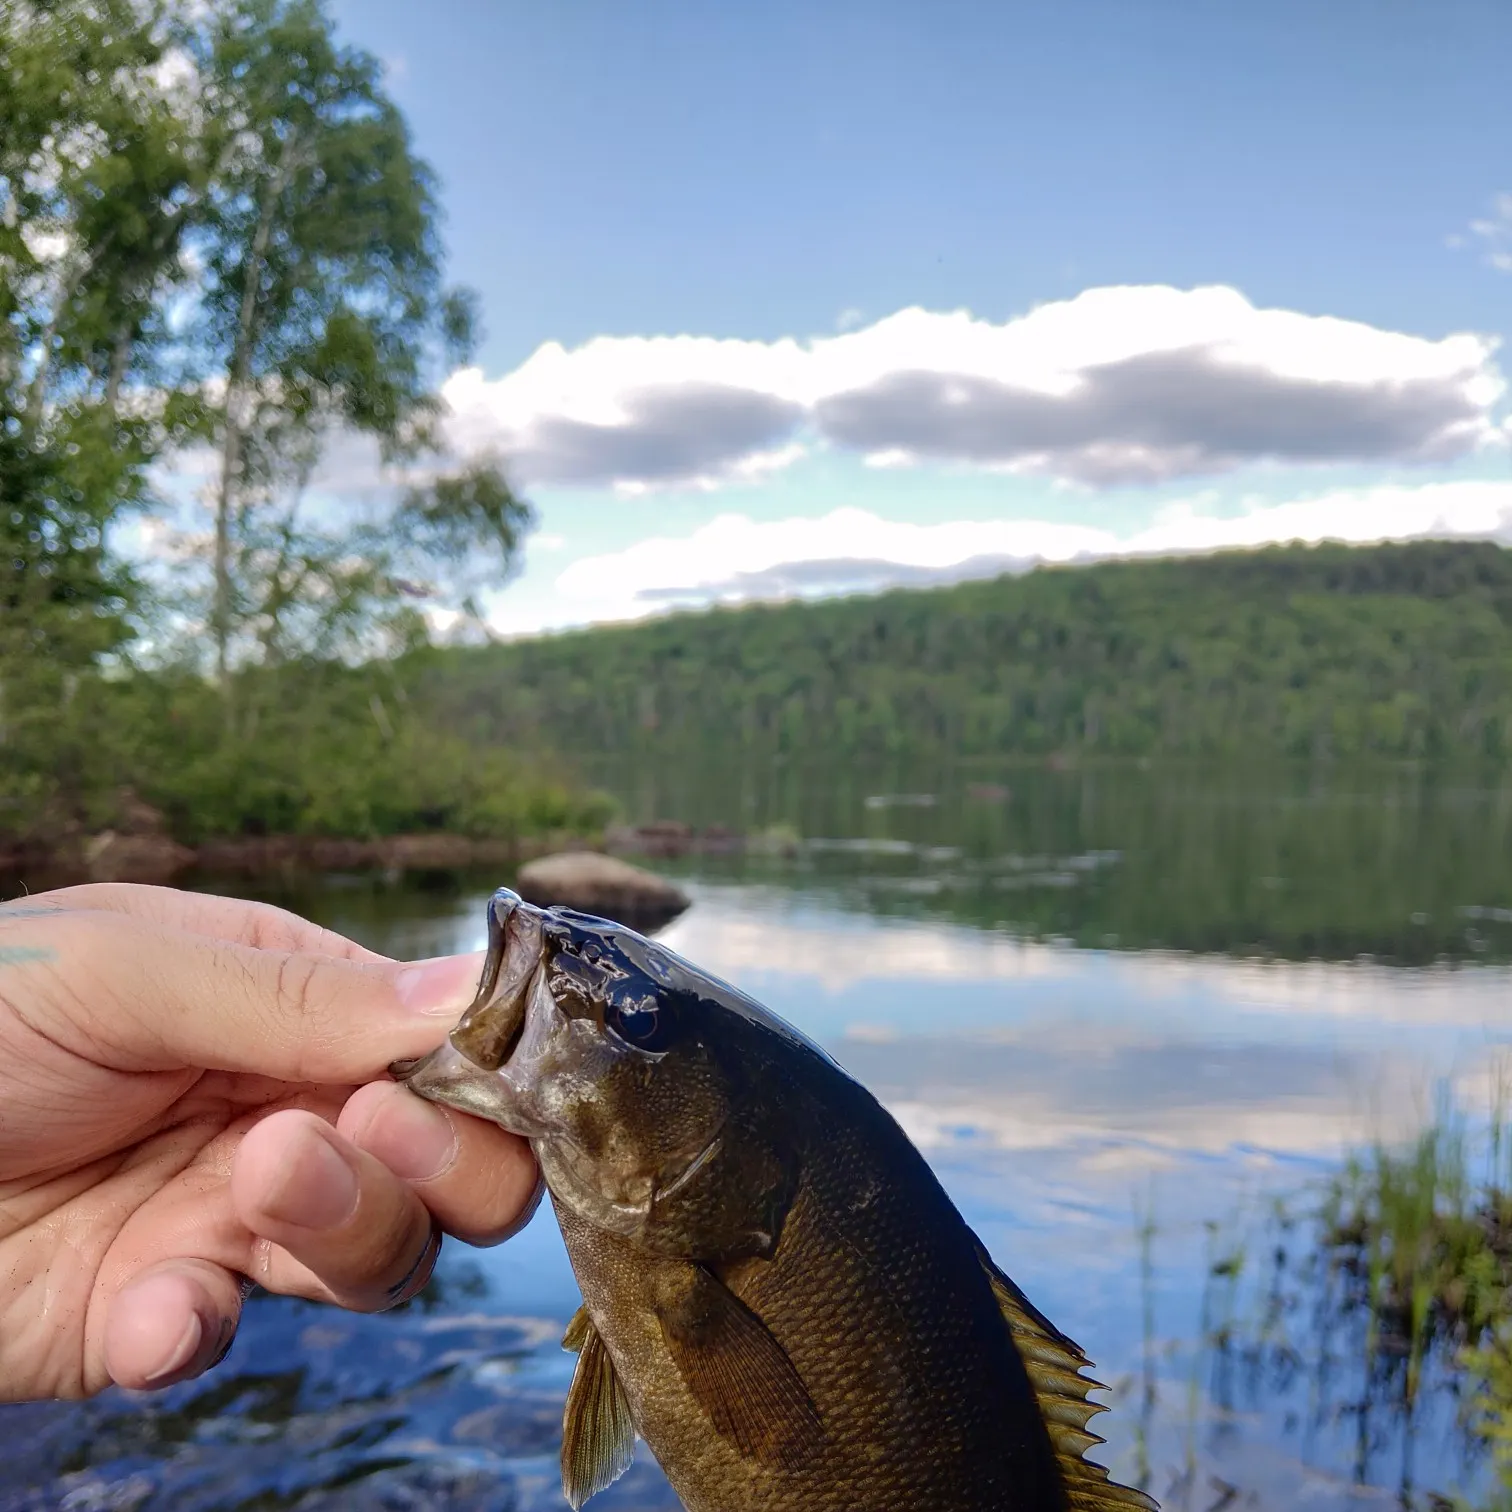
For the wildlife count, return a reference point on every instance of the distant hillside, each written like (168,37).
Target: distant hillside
(1402,650)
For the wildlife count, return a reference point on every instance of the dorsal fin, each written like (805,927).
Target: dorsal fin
(1055,1366)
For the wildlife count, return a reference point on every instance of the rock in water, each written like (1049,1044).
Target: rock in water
(604,885)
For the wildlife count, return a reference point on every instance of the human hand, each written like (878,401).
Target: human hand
(189,1100)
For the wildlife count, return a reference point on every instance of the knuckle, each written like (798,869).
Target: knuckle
(294,985)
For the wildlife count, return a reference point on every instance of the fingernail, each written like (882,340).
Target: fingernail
(419,1273)
(183,1351)
(443,985)
(318,1189)
(414,1139)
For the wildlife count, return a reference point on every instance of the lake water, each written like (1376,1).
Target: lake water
(1124,1013)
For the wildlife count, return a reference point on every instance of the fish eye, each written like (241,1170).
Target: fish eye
(639,1022)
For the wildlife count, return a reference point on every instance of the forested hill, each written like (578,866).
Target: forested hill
(1400,650)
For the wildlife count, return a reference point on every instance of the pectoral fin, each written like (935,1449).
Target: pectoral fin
(736,1370)
(598,1438)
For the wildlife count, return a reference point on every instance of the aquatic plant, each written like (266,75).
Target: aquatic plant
(1385,1296)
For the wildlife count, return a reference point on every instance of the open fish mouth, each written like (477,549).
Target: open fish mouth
(489,1032)
(461,1072)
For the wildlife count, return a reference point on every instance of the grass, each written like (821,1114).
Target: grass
(1386,1295)
(1369,1315)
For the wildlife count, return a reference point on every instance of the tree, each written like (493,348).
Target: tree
(322,312)
(93,181)
(214,235)
(314,586)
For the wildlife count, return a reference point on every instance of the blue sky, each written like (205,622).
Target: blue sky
(784,179)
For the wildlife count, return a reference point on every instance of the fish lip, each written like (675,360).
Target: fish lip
(504,907)
(488,1033)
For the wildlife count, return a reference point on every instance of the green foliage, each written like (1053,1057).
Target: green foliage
(325,749)
(1434,1246)
(321,309)
(213,229)
(319,233)
(1387,1299)
(97,171)
(1328,651)
(91,174)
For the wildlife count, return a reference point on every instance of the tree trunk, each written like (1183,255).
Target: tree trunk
(67,288)
(231,434)
(120,360)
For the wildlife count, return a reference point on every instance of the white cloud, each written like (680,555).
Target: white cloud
(733,558)
(743,933)
(1128,384)
(1492,233)
(849,951)
(633,411)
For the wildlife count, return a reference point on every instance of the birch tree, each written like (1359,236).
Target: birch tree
(323,313)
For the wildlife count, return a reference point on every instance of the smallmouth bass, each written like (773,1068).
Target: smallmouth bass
(778,1295)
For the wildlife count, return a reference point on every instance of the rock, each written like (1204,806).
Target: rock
(671,837)
(114,857)
(661,837)
(436,852)
(988,792)
(138,849)
(604,885)
(135,817)
(720,840)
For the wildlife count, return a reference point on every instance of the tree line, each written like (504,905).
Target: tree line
(1325,652)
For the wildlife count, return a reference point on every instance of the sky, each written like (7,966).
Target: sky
(795,298)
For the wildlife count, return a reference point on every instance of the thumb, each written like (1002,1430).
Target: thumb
(140,996)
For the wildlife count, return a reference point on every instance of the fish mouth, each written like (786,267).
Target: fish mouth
(490,1031)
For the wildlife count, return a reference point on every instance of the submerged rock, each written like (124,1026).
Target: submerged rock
(598,884)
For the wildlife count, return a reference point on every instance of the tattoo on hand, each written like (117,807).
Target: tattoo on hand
(19,955)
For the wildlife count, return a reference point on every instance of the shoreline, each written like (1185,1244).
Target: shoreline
(112,856)
(144,853)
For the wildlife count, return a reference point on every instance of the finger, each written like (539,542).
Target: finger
(171,1323)
(147,997)
(334,1209)
(260,925)
(479,1182)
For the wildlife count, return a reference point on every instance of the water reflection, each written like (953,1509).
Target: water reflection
(1119,1019)
(1401,865)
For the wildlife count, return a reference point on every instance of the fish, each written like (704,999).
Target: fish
(778,1296)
